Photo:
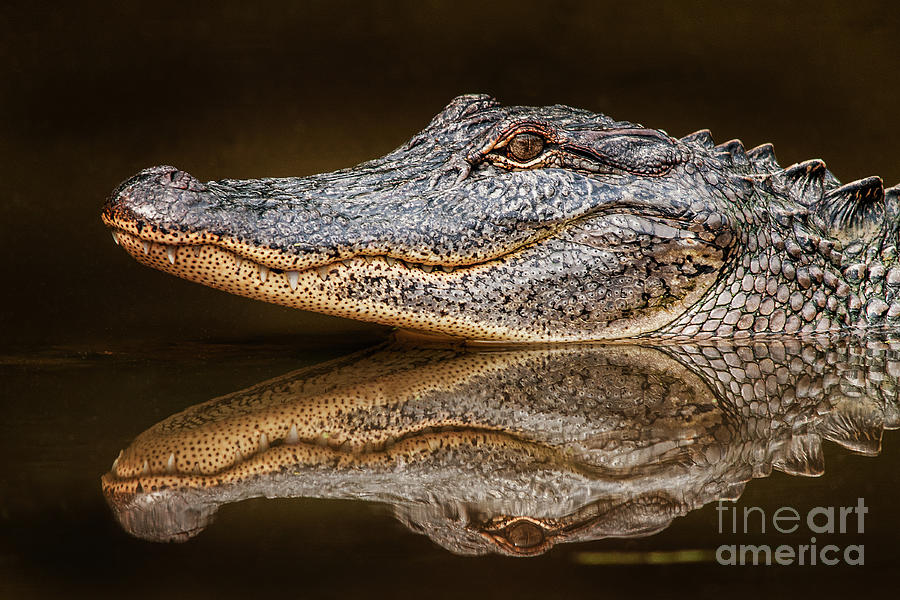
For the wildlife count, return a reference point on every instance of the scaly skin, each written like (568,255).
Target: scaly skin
(536,225)
(513,451)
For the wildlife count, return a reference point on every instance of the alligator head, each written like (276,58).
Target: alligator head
(512,451)
(536,224)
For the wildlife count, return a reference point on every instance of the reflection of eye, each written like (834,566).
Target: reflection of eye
(524,534)
(525,146)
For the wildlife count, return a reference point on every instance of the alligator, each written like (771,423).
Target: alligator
(547,224)
(517,449)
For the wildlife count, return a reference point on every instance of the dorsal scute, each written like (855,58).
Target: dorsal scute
(802,456)
(703,138)
(856,424)
(854,210)
(892,200)
(763,158)
(806,181)
(733,151)
(892,212)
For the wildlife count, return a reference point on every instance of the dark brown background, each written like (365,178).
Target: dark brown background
(91,94)
(95,348)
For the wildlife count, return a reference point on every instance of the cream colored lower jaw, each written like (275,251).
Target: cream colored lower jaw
(310,289)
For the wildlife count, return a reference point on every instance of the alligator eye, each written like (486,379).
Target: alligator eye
(524,534)
(525,146)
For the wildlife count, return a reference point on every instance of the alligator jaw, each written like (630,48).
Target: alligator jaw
(207,259)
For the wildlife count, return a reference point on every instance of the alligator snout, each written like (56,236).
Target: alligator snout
(161,176)
(157,194)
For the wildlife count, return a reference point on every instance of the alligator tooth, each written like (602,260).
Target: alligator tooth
(427,268)
(292,437)
(370,259)
(292,278)
(197,250)
(347,262)
(170,252)
(390,260)
(263,273)
(145,246)
(263,442)
(115,237)
(238,261)
(323,272)
(196,470)
(170,464)
(145,468)
(448,268)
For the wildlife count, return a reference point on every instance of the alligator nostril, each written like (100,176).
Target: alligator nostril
(153,195)
(173,176)
(160,170)
(170,177)
(181,180)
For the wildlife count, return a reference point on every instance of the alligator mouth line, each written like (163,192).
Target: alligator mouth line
(131,232)
(290,451)
(292,276)
(219,263)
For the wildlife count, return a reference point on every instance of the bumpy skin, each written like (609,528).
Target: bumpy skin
(610,230)
(514,451)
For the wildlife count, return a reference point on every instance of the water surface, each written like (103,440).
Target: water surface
(601,463)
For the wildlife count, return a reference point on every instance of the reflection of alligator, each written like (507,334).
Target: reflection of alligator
(513,451)
(538,224)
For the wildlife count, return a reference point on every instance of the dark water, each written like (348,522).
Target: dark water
(643,442)
(96,350)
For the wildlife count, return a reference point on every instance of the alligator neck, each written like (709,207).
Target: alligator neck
(789,276)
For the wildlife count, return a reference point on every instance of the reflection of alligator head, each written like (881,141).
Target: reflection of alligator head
(538,224)
(513,451)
